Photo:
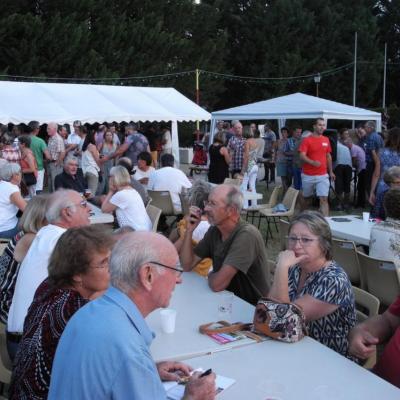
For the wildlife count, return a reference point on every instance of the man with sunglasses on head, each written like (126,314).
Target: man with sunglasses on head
(104,352)
(235,247)
(66,209)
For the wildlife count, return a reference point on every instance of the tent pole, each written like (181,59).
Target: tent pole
(197,95)
(354,73)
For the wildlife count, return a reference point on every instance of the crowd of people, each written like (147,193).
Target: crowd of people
(74,296)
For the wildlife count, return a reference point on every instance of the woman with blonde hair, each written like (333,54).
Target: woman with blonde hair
(125,201)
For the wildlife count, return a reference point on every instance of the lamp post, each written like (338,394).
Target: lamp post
(317,80)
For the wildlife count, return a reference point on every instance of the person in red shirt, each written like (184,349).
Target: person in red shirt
(315,152)
(364,337)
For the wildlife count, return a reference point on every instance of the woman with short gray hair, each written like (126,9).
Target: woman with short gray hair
(11,200)
(125,201)
(307,276)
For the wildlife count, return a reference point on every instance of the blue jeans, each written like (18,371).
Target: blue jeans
(10,233)
(297,178)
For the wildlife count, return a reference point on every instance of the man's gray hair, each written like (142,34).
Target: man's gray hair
(199,193)
(234,198)
(57,202)
(8,170)
(127,256)
(370,124)
(70,158)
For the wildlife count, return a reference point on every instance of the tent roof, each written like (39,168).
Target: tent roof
(296,106)
(21,102)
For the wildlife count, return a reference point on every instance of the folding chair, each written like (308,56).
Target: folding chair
(344,252)
(289,201)
(382,278)
(154,214)
(231,181)
(366,302)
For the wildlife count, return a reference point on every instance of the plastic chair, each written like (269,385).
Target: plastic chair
(382,278)
(184,203)
(231,181)
(5,362)
(344,252)
(366,302)
(283,232)
(289,201)
(154,214)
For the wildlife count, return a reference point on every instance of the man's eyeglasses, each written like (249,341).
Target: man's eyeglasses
(178,270)
(304,241)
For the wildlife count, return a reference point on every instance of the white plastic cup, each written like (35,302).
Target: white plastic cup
(168,318)
(225,305)
(365,216)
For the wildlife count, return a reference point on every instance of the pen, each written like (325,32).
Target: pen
(208,372)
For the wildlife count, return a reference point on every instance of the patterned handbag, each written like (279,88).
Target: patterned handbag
(281,321)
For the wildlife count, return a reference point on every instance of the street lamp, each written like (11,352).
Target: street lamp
(317,80)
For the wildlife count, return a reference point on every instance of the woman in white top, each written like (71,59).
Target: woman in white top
(125,201)
(143,168)
(10,199)
(385,237)
(91,162)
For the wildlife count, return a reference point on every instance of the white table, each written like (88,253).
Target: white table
(196,304)
(356,229)
(247,195)
(98,217)
(305,370)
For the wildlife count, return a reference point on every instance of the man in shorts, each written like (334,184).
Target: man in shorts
(315,152)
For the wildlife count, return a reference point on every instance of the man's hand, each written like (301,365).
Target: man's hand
(362,343)
(316,163)
(193,219)
(372,198)
(332,176)
(173,371)
(200,388)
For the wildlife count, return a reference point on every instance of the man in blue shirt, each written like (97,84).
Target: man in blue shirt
(104,352)
(372,142)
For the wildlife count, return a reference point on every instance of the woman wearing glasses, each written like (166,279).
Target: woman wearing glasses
(307,276)
(75,277)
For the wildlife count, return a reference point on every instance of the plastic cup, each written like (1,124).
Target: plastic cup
(225,305)
(168,318)
(365,216)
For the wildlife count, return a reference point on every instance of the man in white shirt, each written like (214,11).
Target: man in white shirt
(169,178)
(67,209)
(74,138)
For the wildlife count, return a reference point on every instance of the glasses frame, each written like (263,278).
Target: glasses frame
(179,270)
(304,242)
(82,203)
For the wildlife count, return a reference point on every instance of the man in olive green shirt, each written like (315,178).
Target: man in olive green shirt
(236,247)
(39,149)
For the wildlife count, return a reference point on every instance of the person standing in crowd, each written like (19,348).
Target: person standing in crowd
(281,162)
(91,162)
(315,152)
(111,356)
(236,149)
(107,147)
(388,156)
(166,140)
(28,165)
(57,153)
(10,199)
(40,151)
(358,159)
(9,151)
(269,153)
(343,169)
(372,142)
(72,282)
(260,144)
(293,157)
(218,169)
(250,168)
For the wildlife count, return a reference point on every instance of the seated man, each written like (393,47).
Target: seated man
(169,178)
(235,247)
(364,337)
(71,177)
(105,348)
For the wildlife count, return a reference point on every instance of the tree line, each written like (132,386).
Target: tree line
(100,41)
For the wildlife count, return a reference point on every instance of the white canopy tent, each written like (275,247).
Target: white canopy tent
(296,106)
(21,102)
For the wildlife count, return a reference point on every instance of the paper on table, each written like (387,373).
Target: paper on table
(176,391)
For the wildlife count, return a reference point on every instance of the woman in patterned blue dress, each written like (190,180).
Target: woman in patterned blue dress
(307,276)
